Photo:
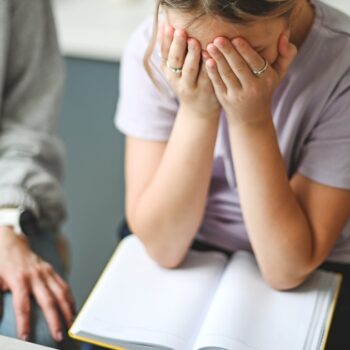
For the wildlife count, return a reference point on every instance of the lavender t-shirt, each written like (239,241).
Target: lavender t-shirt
(311,113)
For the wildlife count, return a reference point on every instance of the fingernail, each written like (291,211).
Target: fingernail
(59,336)
(25,337)
(219,42)
(210,46)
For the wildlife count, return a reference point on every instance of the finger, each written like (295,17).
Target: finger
(48,305)
(205,56)
(166,42)
(287,53)
(254,60)
(235,61)
(160,34)
(21,305)
(223,68)
(219,86)
(178,49)
(191,65)
(62,298)
(65,286)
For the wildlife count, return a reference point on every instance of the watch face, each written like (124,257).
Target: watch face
(28,223)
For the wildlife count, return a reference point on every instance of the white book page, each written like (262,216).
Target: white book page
(137,301)
(328,284)
(247,314)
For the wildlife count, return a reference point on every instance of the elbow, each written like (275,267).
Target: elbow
(283,280)
(288,276)
(284,285)
(166,254)
(166,258)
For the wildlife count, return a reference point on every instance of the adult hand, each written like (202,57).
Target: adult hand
(24,274)
(182,67)
(244,96)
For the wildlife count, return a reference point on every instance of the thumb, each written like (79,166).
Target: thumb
(287,52)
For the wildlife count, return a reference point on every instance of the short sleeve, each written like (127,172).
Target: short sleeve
(144,111)
(326,154)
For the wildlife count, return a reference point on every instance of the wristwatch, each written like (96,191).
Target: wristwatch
(21,219)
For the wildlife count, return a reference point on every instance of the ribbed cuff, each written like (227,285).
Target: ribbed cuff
(17,197)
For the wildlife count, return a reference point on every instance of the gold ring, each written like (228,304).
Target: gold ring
(173,69)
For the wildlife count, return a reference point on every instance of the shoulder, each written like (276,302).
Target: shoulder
(324,60)
(139,40)
(334,21)
(334,35)
(132,63)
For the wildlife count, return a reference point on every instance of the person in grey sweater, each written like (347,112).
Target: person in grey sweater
(36,304)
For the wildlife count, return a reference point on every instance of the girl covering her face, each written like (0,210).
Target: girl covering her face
(238,133)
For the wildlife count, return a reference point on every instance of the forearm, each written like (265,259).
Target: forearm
(31,155)
(169,211)
(31,175)
(277,227)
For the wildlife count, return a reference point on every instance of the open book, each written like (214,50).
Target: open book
(211,302)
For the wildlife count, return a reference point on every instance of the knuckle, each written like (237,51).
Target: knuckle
(24,308)
(35,272)
(183,91)
(254,91)
(48,268)
(21,277)
(61,295)
(231,97)
(65,288)
(48,303)
(240,67)
(270,80)
(176,59)
(241,98)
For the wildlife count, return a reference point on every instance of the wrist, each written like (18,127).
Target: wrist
(20,220)
(7,234)
(190,111)
(241,125)
(249,118)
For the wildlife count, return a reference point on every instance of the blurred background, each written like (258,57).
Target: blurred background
(92,35)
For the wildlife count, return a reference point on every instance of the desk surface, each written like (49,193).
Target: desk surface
(14,344)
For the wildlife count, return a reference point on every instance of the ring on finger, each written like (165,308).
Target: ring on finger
(259,72)
(175,70)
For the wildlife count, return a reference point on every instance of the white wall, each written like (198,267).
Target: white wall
(100,29)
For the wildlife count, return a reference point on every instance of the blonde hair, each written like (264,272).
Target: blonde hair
(235,11)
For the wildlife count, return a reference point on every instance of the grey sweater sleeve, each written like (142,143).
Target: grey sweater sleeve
(31,81)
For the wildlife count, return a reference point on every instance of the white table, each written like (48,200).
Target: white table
(100,29)
(14,344)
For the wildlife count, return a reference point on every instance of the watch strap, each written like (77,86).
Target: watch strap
(11,217)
